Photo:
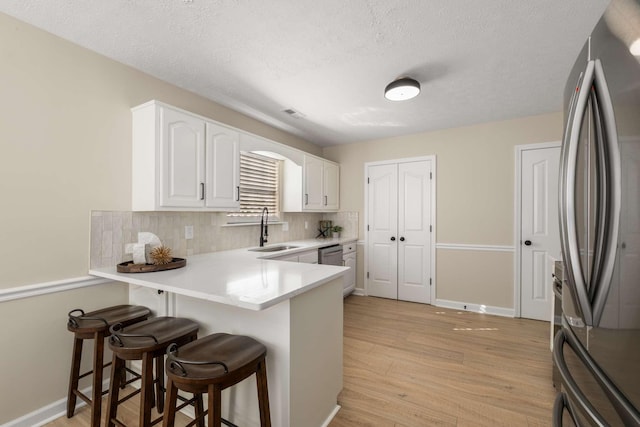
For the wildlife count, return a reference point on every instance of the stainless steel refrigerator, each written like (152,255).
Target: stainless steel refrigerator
(597,350)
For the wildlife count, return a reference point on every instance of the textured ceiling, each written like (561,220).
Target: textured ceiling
(477,61)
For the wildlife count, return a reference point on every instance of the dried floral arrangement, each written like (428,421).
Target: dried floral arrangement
(161,255)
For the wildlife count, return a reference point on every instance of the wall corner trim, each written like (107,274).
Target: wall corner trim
(45,288)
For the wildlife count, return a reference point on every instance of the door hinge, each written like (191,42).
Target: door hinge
(367,227)
(368,180)
(430,229)
(367,274)
(430,175)
(430,282)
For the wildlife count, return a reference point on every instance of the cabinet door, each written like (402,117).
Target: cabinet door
(290,258)
(313,197)
(182,160)
(310,257)
(350,277)
(222,167)
(331,181)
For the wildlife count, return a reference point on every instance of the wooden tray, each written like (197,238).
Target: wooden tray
(130,267)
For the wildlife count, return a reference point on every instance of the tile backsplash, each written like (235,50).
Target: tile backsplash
(111,231)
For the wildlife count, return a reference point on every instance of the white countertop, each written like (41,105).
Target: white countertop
(239,277)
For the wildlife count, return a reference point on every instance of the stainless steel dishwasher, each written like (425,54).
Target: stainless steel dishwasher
(331,255)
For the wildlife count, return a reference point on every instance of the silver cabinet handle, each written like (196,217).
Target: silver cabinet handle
(306,199)
(237,193)
(325,200)
(611,186)
(568,227)
(202,191)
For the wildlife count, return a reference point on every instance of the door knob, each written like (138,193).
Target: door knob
(393,239)
(402,239)
(527,242)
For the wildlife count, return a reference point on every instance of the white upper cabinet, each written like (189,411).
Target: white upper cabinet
(223,167)
(182,161)
(331,185)
(321,182)
(185,162)
(313,183)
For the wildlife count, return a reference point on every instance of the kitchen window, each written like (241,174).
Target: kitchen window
(259,182)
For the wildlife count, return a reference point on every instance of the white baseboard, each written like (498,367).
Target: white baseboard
(46,414)
(358,292)
(477,308)
(331,416)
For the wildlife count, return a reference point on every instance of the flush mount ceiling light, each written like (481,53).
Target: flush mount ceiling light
(402,89)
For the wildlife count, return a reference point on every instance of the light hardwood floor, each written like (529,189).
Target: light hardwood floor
(409,364)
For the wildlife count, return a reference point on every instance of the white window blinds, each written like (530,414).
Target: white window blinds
(258,184)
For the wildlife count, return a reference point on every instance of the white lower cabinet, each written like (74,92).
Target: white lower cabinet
(307,257)
(349,260)
(156,301)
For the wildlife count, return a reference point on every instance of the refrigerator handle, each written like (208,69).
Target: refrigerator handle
(569,385)
(559,404)
(625,409)
(568,227)
(613,186)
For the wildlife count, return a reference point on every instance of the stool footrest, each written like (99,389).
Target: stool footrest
(204,414)
(91,371)
(82,396)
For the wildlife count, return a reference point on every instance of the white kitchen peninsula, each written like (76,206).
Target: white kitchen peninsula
(295,309)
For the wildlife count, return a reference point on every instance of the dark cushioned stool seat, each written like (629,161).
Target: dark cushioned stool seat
(145,341)
(95,325)
(211,364)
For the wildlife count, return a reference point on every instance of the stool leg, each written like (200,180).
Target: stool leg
(96,392)
(73,376)
(199,409)
(146,388)
(114,389)
(215,405)
(169,418)
(263,394)
(160,383)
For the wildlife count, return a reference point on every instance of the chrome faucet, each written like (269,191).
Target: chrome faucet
(264,230)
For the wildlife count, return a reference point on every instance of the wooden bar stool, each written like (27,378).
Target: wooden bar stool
(95,325)
(145,341)
(210,365)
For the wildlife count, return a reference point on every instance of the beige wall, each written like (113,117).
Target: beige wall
(66,139)
(475,196)
(65,134)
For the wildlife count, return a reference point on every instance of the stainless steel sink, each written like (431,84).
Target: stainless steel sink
(273,248)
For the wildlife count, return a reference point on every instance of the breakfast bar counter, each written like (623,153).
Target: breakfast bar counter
(294,309)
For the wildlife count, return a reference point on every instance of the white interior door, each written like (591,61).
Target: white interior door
(382,250)
(539,234)
(399,245)
(414,236)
